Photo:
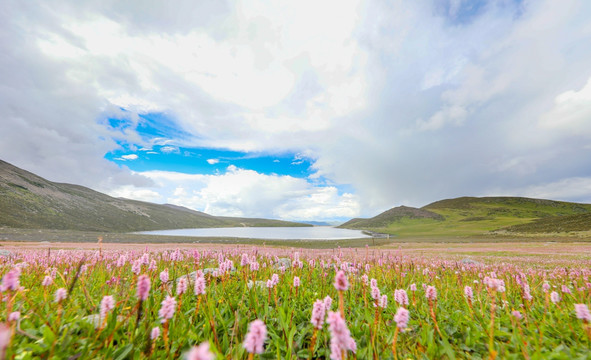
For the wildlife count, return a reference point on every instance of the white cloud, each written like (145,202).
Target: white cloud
(501,98)
(571,112)
(169,149)
(576,189)
(240,192)
(213,161)
(131,192)
(129,157)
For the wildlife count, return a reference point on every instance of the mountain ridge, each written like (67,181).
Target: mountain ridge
(30,201)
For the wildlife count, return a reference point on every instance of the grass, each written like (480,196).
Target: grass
(449,327)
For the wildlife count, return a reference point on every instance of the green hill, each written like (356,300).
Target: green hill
(473,216)
(30,201)
(393,215)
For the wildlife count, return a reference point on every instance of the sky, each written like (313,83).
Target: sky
(300,110)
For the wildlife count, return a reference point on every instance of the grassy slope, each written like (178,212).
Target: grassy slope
(469,216)
(29,201)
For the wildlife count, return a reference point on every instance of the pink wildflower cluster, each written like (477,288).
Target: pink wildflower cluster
(468,292)
(60,295)
(199,284)
(256,337)
(401,318)
(107,304)
(164,276)
(431,293)
(318,314)
(583,313)
(167,310)
(200,352)
(340,281)
(181,286)
(143,287)
(340,336)
(10,281)
(401,297)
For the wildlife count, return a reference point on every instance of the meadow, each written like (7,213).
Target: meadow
(255,302)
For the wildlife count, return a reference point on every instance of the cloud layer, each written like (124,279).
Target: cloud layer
(402,102)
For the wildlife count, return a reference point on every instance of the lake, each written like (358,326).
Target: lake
(275,233)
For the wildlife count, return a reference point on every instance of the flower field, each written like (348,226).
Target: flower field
(271,303)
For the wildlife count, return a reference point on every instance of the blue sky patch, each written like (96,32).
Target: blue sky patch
(163,133)
(208,161)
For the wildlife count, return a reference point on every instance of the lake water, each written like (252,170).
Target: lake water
(276,233)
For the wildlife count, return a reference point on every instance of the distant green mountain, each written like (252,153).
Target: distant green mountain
(30,201)
(470,216)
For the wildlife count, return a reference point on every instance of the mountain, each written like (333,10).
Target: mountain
(320,223)
(470,216)
(30,201)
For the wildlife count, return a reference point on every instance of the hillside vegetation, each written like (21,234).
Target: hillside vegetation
(473,216)
(30,201)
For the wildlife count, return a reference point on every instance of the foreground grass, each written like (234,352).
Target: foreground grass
(450,326)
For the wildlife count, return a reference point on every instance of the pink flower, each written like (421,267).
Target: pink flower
(566,290)
(495,284)
(155,333)
(14,316)
(244,261)
(143,287)
(383,301)
(327,302)
(516,314)
(431,293)
(255,338)
(340,336)
(583,312)
(413,287)
(181,286)
(167,310)
(107,304)
(275,279)
(375,292)
(10,281)
(200,352)
(526,294)
(554,297)
(401,318)
(60,295)
(401,297)
(373,283)
(152,266)
(47,280)
(364,279)
(546,287)
(468,292)
(318,313)
(164,276)
(121,261)
(340,281)
(5,335)
(136,267)
(296,281)
(200,285)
